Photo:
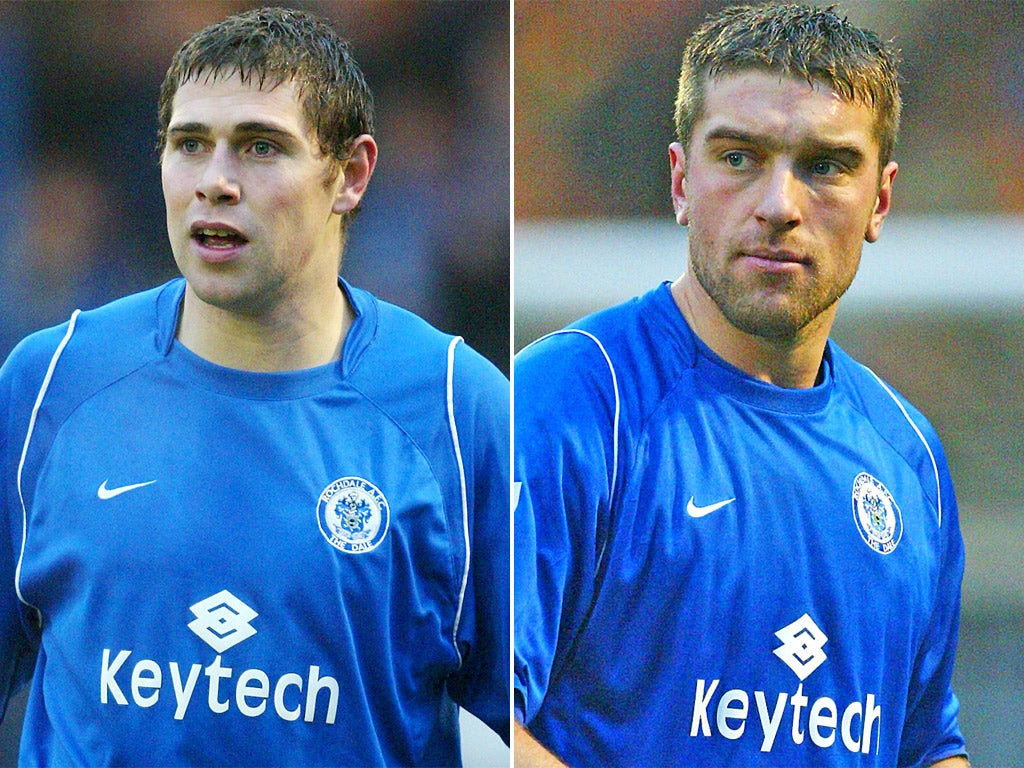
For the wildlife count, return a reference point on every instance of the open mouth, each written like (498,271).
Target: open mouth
(216,237)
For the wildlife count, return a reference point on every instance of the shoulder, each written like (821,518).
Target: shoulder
(569,375)
(587,352)
(53,371)
(587,340)
(396,353)
(97,344)
(389,335)
(878,400)
(897,421)
(624,355)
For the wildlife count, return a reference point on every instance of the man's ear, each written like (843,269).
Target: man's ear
(355,174)
(677,163)
(883,203)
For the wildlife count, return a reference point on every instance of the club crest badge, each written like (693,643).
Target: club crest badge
(876,513)
(353,515)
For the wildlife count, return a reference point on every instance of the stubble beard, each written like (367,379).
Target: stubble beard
(773,307)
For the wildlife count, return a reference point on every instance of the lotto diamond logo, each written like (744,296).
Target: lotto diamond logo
(801,649)
(222,621)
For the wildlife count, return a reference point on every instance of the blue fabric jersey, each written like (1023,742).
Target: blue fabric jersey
(713,571)
(207,566)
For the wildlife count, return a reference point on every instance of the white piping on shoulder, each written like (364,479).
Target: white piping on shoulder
(615,389)
(920,435)
(24,452)
(450,397)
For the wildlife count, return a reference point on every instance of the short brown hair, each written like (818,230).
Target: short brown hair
(815,44)
(271,46)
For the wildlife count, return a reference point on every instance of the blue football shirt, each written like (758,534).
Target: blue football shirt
(209,566)
(711,570)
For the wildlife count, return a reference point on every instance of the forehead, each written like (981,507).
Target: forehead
(226,101)
(785,107)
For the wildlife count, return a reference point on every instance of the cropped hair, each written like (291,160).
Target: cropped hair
(270,46)
(796,40)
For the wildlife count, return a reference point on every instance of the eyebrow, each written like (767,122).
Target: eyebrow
(247,128)
(849,154)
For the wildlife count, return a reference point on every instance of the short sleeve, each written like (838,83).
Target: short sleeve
(931,730)
(566,421)
(17,651)
(481,404)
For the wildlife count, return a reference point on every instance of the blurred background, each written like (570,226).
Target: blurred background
(81,210)
(938,308)
(82,215)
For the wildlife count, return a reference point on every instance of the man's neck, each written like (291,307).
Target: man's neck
(289,339)
(793,363)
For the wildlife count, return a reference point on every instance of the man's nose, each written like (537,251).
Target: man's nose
(218,182)
(781,200)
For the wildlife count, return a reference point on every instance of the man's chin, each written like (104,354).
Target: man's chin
(773,320)
(229,295)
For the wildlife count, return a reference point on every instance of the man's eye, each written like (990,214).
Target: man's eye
(262,148)
(190,146)
(735,159)
(825,168)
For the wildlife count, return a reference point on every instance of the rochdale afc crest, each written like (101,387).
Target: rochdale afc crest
(876,513)
(353,515)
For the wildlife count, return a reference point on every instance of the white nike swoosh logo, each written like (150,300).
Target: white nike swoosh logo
(694,511)
(108,493)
